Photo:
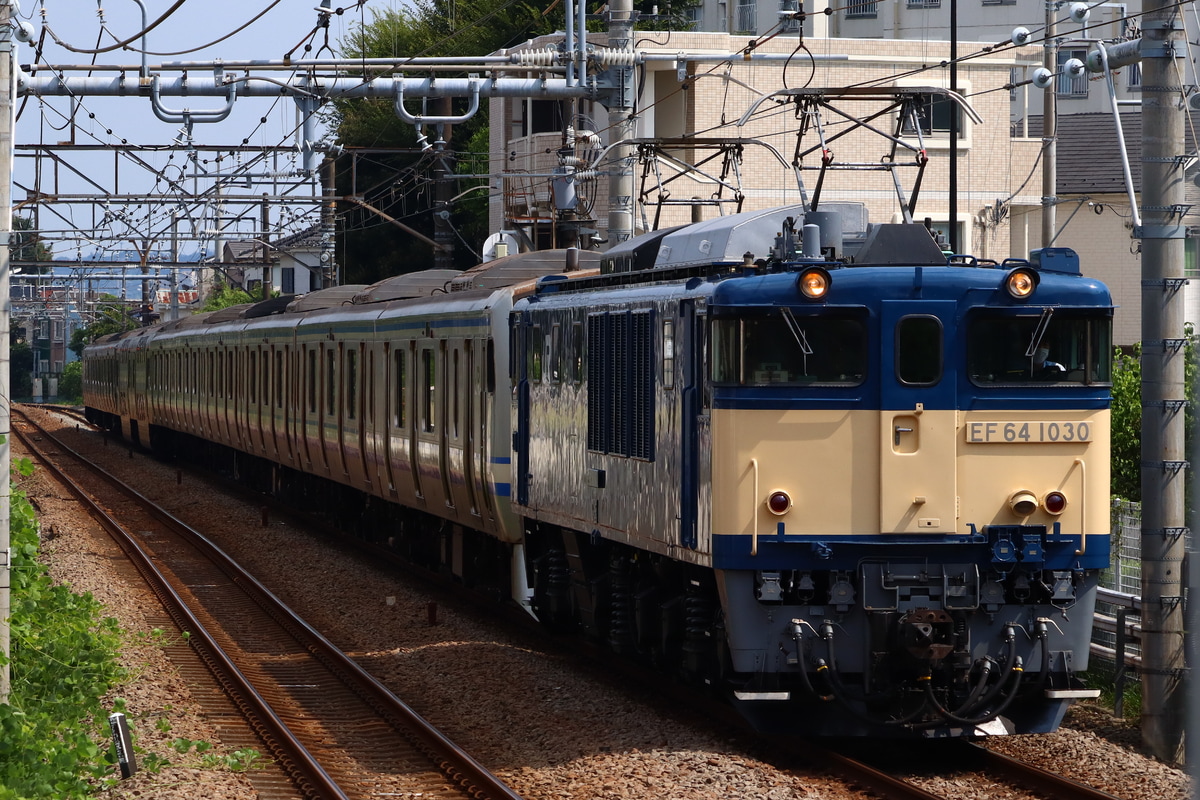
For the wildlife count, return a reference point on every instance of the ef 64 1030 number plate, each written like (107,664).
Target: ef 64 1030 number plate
(1028,432)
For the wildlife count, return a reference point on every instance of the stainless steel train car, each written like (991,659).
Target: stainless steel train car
(856,484)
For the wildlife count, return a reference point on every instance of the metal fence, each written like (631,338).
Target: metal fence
(1117,623)
(1125,574)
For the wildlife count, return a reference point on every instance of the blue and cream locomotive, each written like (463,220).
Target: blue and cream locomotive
(858,484)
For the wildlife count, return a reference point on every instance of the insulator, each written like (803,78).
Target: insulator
(586,175)
(545,57)
(614,58)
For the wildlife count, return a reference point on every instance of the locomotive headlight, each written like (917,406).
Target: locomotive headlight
(814,282)
(1055,503)
(1023,503)
(1021,282)
(779,502)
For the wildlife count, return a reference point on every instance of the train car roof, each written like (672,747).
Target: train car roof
(521,267)
(410,284)
(325,298)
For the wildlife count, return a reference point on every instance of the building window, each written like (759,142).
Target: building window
(1191,249)
(931,113)
(1071,85)
(745,18)
(861,9)
(287,280)
(1133,76)
(789,24)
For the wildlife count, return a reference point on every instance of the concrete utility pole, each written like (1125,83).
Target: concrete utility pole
(7,104)
(1163,465)
(621,126)
(1050,127)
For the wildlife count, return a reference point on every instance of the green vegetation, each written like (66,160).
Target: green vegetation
(403,183)
(63,662)
(1127,416)
(112,316)
(70,383)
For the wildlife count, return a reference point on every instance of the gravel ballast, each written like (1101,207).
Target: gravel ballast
(548,727)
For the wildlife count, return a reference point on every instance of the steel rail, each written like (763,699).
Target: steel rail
(1039,780)
(308,775)
(458,765)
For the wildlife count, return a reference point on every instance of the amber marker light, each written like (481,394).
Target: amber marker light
(1023,503)
(814,282)
(778,503)
(1021,282)
(1055,503)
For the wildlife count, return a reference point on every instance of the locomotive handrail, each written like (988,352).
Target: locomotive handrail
(1083,508)
(754,507)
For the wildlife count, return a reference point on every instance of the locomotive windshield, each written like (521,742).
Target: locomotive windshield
(1055,347)
(782,347)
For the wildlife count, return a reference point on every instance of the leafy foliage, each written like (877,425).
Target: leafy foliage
(1127,416)
(1127,424)
(224,296)
(20,366)
(62,663)
(27,244)
(70,383)
(112,316)
(401,183)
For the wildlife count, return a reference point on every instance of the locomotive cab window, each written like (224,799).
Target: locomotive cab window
(919,350)
(1056,346)
(780,347)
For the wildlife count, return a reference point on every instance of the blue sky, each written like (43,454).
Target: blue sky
(284,26)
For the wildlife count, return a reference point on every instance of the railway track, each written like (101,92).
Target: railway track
(895,776)
(972,764)
(333,730)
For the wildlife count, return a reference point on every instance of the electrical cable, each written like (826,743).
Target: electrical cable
(166,14)
(227,36)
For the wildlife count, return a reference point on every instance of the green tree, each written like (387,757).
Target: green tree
(20,369)
(1127,415)
(1127,424)
(27,244)
(401,184)
(70,383)
(225,296)
(112,316)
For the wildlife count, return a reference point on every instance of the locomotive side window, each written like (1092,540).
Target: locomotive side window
(576,354)
(556,353)
(1056,347)
(533,356)
(919,350)
(783,348)
(668,359)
